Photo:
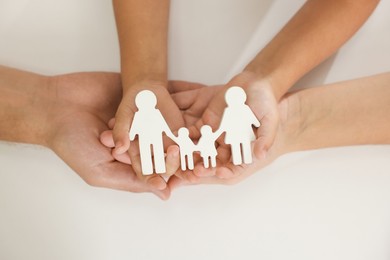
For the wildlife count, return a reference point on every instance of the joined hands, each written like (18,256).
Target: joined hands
(200,105)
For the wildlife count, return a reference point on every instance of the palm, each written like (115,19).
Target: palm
(263,103)
(193,103)
(85,102)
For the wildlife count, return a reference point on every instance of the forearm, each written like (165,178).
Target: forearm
(142,30)
(23,106)
(318,29)
(347,113)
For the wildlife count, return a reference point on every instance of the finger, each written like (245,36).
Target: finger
(111,123)
(185,99)
(194,132)
(175,86)
(191,177)
(201,171)
(107,139)
(172,161)
(126,180)
(119,176)
(224,154)
(266,134)
(230,171)
(123,118)
(123,158)
(157,182)
(176,182)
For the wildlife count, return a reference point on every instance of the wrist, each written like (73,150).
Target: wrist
(292,123)
(144,82)
(38,119)
(133,74)
(24,106)
(279,85)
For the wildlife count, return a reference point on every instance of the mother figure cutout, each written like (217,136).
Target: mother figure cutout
(236,122)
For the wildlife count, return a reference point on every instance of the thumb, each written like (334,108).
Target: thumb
(265,137)
(123,118)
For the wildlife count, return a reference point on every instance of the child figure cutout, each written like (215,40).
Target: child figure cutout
(236,122)
(187,149)
(206,146)
(149,124)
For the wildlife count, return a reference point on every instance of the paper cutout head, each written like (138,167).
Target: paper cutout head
(235,96)
(145,100)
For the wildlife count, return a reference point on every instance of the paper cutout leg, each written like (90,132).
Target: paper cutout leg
(236,154)
(206,146)
(247,152)
(146,158)
(158,156)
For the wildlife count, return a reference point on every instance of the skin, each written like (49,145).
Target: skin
(315,32)
(142,30)
(309,119)
(67,113)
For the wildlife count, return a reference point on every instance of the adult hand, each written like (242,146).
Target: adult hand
(228,174)
(81,105)
(262,101)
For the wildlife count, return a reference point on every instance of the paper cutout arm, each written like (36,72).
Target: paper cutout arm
(221,128)
(134,127)
(254,119)
(166,129)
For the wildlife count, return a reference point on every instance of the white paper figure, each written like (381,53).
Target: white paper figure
(187,149)
(206,146)
(149,125)
(236,122)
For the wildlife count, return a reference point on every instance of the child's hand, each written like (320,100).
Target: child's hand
(124,117)
(262,101)
(228,174)
(189,116)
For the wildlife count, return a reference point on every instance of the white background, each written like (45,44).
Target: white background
(327,204)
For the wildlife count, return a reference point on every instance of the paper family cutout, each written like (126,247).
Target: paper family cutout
(149,125)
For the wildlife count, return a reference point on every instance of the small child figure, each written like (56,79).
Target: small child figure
(206,146)
(187,148)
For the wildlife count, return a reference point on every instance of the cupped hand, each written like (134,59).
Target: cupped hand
(201,106)
(124,118)
(227,174)
(262,101)
(191,99)
(82,104)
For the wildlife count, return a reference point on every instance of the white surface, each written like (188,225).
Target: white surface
(328,204)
